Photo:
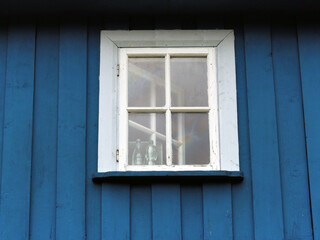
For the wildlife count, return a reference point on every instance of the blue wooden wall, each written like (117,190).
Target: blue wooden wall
(49,88)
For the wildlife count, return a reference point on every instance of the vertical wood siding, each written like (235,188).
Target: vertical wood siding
(49,85)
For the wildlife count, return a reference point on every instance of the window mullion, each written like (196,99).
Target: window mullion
(168,112)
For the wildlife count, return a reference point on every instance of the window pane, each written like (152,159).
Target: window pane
(146,82)
(189,82)
(147,140)
(190,141)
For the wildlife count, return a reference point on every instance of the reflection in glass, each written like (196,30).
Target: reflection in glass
(190,141)
(189,87)
(146,82)
(146,139)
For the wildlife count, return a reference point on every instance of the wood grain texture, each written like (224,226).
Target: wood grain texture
(115,198)
(17,133)
(115,212)
(217,211)
(166,211)
(71,167)
(271,116)
(93,191)
(292,149)
(44,151)
(309,52)
(3,70)
(192,212)
(140,212)
(266,182)
(242,205)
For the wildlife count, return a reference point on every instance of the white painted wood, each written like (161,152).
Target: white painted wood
(228,120)
(123,114)
(224,116)
(169,168)
(189,109)
(213,113)
(168,113)
(166,38)
(146,109)
(107,133)
(162,52)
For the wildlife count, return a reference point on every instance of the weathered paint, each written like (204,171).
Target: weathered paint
(48,135)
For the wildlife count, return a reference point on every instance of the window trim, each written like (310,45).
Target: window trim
(111,41)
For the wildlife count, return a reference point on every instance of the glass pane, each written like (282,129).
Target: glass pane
(146,82)
(189,82)
(146,139)
(190,141)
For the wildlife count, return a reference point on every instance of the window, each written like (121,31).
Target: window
(167,101)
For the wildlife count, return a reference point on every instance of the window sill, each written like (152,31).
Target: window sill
(168,177)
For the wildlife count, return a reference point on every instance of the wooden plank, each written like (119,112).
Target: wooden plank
(3,67)
(140,216)
(44,152)
(242,205)
(115,223)
(93,191)
(71,172)
(266,184)
(191,212)
(166,211)
(168,177)
(166,38)
(309,51)
(17,134)
(115,198)
(292,149)
(217,211)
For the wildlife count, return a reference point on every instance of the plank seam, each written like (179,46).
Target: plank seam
(86,134)
(57,133)
(277,128)
(304,126)
(4,105)
(202,210)
(181,206)
(32,131)
(249,140)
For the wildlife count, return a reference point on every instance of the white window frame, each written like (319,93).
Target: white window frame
(222,42)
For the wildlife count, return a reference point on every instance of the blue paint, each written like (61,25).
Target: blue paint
(292,150)
(140,212)
(217,211)
(166,211)
(192,212)
(3,65)
(242,193)
(115,212)
(93,192)
(17,133)
(44,152)
(54,105)
(174,176)
(266,183)
(71,159)
(309,50)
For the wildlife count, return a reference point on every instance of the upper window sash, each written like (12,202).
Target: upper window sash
(211,109)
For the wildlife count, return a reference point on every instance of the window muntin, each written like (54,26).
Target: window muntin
(168,96)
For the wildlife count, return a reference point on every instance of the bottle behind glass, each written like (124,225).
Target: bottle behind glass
(137,157)
(151,154)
